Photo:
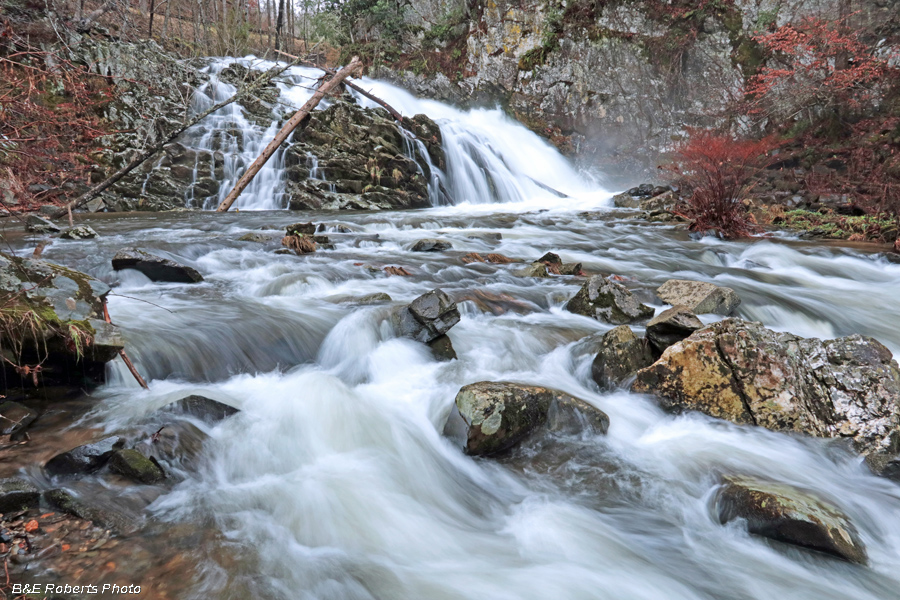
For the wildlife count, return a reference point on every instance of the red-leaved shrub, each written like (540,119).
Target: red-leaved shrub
(715,171)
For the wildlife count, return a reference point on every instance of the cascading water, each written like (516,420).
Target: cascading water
(335,481)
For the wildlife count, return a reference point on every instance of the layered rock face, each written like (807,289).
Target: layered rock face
(742,372)
(612,82)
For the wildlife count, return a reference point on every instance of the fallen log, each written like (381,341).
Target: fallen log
(397,116)
(288,128)
(154,150)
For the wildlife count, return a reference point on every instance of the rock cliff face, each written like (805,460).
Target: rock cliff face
(612,81)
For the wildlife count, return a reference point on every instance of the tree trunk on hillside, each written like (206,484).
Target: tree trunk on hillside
(286,131)
(165,29)
(279,23)
(150,26)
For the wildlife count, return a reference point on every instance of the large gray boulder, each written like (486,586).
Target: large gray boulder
(606,300)
(790,515)
(200,407)
(742,372)
(497,415)
(700,297)
(155,267)
(671,326)
(621,354)
(427,317)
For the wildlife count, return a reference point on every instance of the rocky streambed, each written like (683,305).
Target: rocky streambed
(552,401)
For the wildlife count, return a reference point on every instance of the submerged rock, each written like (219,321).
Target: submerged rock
(83,509)
(621,355)
(259,238)
(200,407)
(606,300)
(789,515)
(671,326)
(84,459)
(81,232)
(17,494)
(700,297)
(431,245)
(155,267)
(15,417)
(427,317)
(537,269)
(442,348)
(498,415)
(747,374)
(135,466)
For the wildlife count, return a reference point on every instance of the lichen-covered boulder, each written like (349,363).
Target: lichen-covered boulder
(427,317)
(742,372)
(671,326)
(155,267)
(700,297)
(497,415)
(790,515)
(80,232)
(606,300)
(53,318)
(621,355)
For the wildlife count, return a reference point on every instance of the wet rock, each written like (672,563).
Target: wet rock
(626,200)
(621,355)
(498,415)
(52,315)
(551,260)
(744,373)
(135,466)
(664,202)
(17,494)
(84,459)
(700,297)
(442,348)
(376,298)
(571,269)
(15,417)
(431,245)
(399,271)
(427,317)
(176,446)
(533,270)
(485,236)
(154,267)
(36,224)
(259,238)
(671,326)
(300,229)
(200,407)
(300,244)
(100,515)
(606,300)
(789,515)
(572,416)
(81,232)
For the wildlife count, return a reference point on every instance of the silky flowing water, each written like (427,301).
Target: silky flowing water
(335,480)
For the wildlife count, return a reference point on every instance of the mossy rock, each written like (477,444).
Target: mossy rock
(135,466)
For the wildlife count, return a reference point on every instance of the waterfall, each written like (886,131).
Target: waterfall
(490,157)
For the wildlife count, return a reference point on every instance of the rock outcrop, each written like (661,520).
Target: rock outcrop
(744,373)
(605,300)
(671,326)
(498,415)
(787,514)
(354,158)
(53,318)
(621,355)
(155,267)
(700,297)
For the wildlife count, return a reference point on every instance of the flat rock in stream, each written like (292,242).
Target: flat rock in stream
(671,326)
(17,494)
(155,267)
(497,415)
(431,245)
(790,515)
(700,297)
(14,417)
(84,459)
(36,224)
(108,518)
(80,232)
(605,300)
(742,372)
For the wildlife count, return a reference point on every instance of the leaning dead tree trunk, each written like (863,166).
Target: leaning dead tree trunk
(288,128)
(124,356)
(396,115)
(152,151)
